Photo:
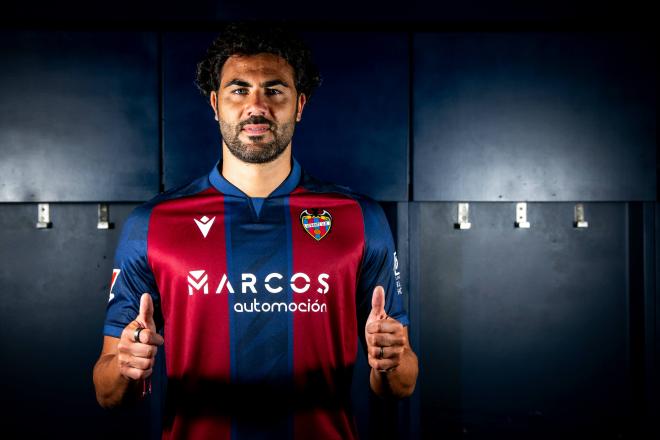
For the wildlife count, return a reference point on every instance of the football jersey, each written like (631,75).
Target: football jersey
(261,302)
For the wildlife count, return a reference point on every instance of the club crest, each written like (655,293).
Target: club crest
(317,222)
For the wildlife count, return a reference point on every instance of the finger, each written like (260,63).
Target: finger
(146,315)
(150,337)
(388,325)
(383,364)
(128,335)
(388,352)
(384,340)
(135,373)
(378,303)
(144,350)
(137,363)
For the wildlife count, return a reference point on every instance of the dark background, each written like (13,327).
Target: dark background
(546,332)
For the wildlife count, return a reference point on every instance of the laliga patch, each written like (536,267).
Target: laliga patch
(115,274)
(316,223)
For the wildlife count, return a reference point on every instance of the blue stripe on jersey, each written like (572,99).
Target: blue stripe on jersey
(260,340)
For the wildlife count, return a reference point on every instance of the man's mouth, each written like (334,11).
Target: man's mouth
(256,129)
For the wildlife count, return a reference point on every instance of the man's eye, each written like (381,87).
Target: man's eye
(273,92)
(239,91)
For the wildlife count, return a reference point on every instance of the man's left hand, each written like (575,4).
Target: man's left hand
(385,336)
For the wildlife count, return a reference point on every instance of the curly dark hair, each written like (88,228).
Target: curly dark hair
(247,38)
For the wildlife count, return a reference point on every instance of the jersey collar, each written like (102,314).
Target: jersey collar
(226,187)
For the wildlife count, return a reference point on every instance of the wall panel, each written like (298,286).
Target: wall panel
(78,101)
(523,331)
(534,116)
(191,141)
(55,285)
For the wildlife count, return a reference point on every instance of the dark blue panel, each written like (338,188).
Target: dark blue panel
(524,330)
(55,285)
(528,116)
(78,116)
(354,131)
(360,111)
(192,142)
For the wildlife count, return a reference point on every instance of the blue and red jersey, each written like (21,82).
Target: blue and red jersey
(261,302)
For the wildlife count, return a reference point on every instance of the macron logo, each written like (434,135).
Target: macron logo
(198,279)
(204,224)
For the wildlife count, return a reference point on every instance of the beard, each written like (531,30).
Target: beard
(257,150)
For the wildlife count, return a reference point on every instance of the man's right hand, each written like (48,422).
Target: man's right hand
(136,359)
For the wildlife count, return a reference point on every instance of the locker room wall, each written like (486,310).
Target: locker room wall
(79,100)
(554,116)
(545,331)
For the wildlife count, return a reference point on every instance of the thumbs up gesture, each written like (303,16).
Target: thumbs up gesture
(139,343)
(385,336)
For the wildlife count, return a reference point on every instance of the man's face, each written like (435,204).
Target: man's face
(257,106)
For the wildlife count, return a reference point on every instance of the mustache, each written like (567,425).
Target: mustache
(255,120)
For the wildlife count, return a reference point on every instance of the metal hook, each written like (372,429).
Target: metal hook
(521,215)
(104,217)
(463,216)
(43,216)
(580,221)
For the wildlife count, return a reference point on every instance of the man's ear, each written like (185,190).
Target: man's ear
(302,100)
(213,100)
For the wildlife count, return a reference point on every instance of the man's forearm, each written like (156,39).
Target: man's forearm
(399,382)
(112,388)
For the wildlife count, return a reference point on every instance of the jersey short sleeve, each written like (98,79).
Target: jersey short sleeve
(379,265)
(131,276)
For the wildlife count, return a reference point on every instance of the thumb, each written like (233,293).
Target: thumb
(146,316)
(378,304)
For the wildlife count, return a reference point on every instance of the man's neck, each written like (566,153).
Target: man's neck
(255,180)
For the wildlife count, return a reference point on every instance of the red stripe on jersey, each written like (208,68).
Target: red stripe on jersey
(197,355)
(325,343)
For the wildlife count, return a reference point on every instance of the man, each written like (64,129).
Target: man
(257,280)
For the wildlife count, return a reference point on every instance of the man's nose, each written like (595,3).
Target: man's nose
(257,105)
